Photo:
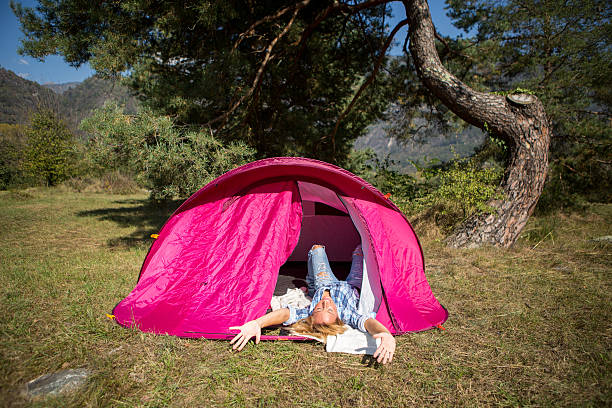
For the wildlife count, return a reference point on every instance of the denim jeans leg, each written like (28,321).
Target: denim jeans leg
(355,276)
(319,271)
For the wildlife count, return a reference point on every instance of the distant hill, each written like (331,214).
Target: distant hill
(61,88)
(78,102)
(19,97)
(434,147)
(74,100)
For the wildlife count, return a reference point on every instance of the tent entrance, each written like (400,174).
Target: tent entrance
(325,221)
(332,221)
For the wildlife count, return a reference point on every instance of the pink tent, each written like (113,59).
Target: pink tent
(216,261)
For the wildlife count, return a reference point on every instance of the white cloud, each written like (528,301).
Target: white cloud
(24,75)
(24,62)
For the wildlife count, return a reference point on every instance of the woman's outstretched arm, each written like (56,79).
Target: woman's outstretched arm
(253,328)
(384,352)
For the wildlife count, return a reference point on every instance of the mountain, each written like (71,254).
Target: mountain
(19,97)
(61,88)
(78,102)
(73,100)
(442,147)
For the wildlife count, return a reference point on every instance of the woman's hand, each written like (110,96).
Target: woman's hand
(247,330)
(384,352)
(253,328)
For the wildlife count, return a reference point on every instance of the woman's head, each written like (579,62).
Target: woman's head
(321,331)
(325,312)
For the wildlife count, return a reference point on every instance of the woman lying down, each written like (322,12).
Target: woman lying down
(334,303)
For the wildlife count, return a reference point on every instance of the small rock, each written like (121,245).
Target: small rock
(605,238)
(59,382)
(113,351)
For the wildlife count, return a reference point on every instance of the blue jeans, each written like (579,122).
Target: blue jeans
(320,273)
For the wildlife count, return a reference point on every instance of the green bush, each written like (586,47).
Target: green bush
(445,194)
(49,155)
(11,153)
(171,161)
(454,193)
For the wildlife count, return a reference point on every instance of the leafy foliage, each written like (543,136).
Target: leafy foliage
(196,60)
(49,153)
(449,193)
(171,161)
(561,51)
(463,188)
(453,193)
(11,152)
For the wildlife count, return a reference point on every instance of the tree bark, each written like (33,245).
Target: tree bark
(523,125)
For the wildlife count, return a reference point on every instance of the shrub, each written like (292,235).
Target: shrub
(445,194)
(171,161)
(453,194)
(49,155)
(11,152)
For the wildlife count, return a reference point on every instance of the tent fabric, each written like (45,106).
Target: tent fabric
(316,193)
(216,267)
(402,279)
(216,260)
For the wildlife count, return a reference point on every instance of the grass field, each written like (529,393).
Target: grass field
(528,326)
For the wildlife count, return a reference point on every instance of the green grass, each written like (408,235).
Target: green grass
(528,326)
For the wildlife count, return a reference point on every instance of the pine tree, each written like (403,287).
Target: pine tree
(560,51)
(293,76)
(227,66)
(49,153)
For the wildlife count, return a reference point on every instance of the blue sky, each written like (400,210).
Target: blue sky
(55,70)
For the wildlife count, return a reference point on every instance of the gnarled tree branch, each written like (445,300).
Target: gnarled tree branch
(267,19)
(333,9)
(370,79)
(268,57)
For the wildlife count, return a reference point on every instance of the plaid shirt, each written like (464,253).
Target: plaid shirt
(346,299)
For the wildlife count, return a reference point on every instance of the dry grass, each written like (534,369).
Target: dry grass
(529,326)
(110,183)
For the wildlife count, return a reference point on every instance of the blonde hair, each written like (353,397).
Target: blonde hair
(320,331)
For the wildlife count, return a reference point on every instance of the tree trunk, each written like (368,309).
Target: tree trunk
(521,122)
